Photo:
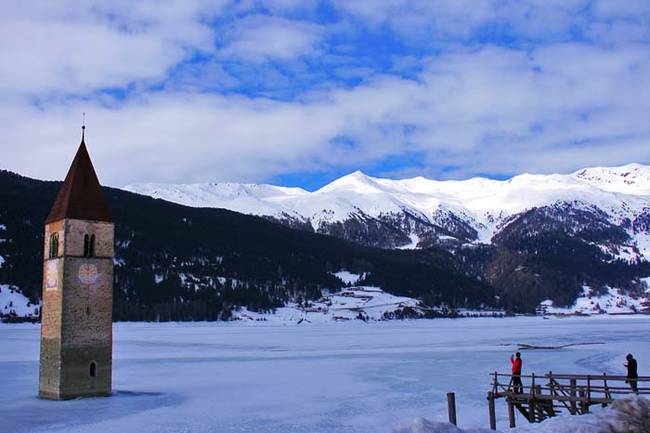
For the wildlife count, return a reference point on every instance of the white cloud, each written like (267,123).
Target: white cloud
(78,47)
(492,110)
(477,108)
(259,38)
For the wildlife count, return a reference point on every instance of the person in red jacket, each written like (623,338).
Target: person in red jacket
(516,373)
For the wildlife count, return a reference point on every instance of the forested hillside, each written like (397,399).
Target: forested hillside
(180,263)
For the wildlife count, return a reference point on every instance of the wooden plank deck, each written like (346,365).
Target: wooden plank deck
(548,395)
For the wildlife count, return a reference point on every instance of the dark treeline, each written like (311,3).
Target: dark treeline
(180,263)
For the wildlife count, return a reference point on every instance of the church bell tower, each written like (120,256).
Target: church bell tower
(76,320)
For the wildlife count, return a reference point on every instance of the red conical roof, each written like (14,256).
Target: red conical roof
(81,196)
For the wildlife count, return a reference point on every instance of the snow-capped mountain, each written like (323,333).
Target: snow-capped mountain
(483,244)
(420,212)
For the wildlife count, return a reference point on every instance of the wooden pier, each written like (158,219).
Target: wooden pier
(548,395)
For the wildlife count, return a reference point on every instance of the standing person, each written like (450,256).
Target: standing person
(517,386)
(632,373)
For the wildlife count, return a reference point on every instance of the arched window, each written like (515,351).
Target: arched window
(54,246)
(91,247)
(93,369)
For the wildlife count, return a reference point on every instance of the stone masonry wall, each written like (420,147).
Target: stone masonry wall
(80,307)
(74,234)
(51,314)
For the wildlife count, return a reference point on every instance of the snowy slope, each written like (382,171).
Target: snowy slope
(627,179)
(245,198)
(14,303)
(485,205)
(615,301)
(356,302)
(348,277)
(362,302)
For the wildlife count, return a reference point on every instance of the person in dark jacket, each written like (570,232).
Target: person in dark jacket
(632,373)
(516,362)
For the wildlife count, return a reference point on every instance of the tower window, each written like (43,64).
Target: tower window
(54,246)
(89,245)
(93,369)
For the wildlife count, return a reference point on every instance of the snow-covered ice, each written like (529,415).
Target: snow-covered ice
(312,378)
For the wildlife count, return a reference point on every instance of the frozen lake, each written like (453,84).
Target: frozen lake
(338,377)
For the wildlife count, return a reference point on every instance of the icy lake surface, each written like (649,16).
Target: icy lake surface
(337,377)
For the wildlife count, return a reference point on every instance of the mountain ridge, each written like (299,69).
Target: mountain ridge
(474,210)
(174,262)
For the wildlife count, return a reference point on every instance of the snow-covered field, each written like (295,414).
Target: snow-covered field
(351,303)
(309,378)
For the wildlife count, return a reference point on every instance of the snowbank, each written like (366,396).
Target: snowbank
(422,425)
(629,415)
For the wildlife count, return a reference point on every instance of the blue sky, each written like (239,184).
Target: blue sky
(301,92)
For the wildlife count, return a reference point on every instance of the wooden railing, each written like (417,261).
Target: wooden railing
(543,396)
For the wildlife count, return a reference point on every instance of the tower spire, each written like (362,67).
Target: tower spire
(81,196)
(83,127)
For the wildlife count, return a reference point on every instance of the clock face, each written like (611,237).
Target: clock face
(52,275)
(88,274)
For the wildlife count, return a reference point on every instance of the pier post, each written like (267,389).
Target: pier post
(532,405)
(493,415)
(583,401)
(574,405)
(451,407)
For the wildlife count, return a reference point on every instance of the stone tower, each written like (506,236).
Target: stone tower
(76,321)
